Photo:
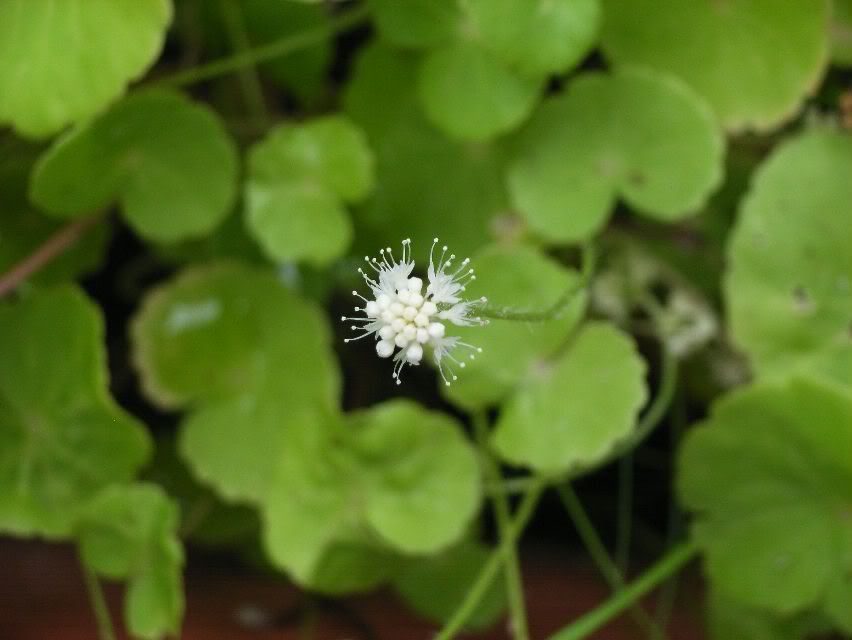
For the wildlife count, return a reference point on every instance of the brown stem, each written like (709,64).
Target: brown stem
(52,247)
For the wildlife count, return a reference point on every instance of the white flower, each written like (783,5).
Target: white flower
(402,316)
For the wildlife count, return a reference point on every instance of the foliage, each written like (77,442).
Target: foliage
(617,173)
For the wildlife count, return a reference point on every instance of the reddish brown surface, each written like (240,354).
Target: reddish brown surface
(42,598)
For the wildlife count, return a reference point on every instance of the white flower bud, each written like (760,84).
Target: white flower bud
(373,309)
(414,353)
(387,332)
(436,330)
(415,285)
(409,313)
(421,320)
(401,341)
(384,348)
(422,336)
(429,308)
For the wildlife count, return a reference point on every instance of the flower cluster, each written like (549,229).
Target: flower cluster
(401,315)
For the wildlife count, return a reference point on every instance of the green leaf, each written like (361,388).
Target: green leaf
(412,157)
(397,473)
(571,412)
(729,618)
(61,62)
(23,229)
(62,437)
(770,478)
(841,32)
(471,95)
(789,280)
(247,356)
(753,61)
(168,161)
(420,474)
(130,532)
(538,37)
(523,279)
(299,178)
(636,135)
(434,586)
(417,23)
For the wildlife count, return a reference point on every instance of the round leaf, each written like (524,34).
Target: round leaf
(789,283)
(469,94)
(299,177)
(62,437)
(574,410)
(398,471)
(770,477)
(249,356)
(537,37)
(421,476)
(523,279)
(417,23)
(130,532)
(638,135)
(753,61)
(61,62)
(169,163)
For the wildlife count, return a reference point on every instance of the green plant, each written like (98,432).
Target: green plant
(666,220)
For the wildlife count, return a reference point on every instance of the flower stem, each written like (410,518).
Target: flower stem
(602,559)
(99,605)
(52,247)
(489,570)
(500,505)
(276,49)
(588,266)
(670,564)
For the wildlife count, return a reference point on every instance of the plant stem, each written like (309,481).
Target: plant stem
(232,17)
(276,49)
(99,605)
(500,505)
(51,248)
(672,562)
(589,259)
(492,566)
(596,549)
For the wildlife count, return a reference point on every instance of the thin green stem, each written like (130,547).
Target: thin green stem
(232,17)
(600,556)
(670,564)
(500,505)
(674,525)
(99,604)
(624,519)
(588,266)
(490,569)
(276,49)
